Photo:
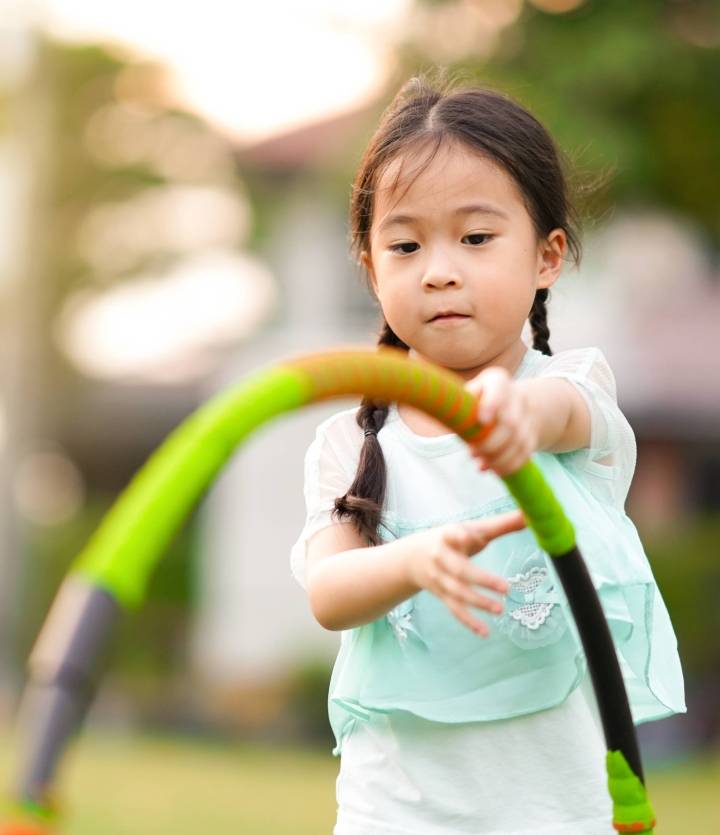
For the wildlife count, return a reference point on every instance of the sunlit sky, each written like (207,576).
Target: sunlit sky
(253,68)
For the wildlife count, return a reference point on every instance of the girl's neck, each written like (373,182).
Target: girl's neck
(422,424)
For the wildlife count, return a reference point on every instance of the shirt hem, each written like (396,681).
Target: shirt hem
(360,825)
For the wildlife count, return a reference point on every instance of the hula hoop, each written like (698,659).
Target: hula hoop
(112,572)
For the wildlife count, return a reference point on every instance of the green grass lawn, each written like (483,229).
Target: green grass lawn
(130,785)
(148,786)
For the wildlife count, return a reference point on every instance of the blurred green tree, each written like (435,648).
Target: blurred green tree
(627,88)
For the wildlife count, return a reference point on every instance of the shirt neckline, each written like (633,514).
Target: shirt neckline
(439,444)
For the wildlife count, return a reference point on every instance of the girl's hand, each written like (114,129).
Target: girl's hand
(439,563)
(513,431)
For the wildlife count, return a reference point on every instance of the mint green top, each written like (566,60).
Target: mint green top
(419,658)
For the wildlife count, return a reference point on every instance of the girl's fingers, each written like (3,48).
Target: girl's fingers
(465,594)
(461,613)
(467,573)
(500,436)
(510,461)
(489,528)
(506,438)
(492,387)
(457,536)
(493,582)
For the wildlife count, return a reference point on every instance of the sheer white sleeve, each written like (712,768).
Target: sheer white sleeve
(330,466)
(610,458)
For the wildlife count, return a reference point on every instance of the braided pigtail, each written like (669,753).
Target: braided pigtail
(364,499)
(539,324)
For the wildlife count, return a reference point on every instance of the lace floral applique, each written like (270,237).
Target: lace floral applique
(400,619)
(533,616)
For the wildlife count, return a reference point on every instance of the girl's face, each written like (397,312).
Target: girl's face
(458,240)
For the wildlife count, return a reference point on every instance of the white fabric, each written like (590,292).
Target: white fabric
(542,773)
(610,458)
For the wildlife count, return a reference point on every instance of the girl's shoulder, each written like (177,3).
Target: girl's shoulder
(339,436)
(582,364)
(340,424)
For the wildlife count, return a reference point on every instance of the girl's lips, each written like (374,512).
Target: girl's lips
(456,317)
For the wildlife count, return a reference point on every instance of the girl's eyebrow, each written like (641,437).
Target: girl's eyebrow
(473,208)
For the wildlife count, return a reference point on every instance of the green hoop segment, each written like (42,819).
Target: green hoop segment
(130,540)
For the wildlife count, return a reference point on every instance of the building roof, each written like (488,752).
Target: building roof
(307,145)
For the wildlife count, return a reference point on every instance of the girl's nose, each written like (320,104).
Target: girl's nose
(439,277)
(440,270)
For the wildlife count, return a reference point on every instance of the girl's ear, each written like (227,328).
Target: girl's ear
(366,261)
(550,258)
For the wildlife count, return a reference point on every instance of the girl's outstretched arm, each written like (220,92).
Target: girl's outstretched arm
(347,588)
(561,412)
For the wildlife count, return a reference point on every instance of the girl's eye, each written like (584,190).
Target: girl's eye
(397,248)
(479,235)
(400,248)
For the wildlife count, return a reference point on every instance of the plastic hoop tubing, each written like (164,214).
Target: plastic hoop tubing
(131,538)
(114,568)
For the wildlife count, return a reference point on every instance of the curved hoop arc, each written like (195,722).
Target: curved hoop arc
(113,570)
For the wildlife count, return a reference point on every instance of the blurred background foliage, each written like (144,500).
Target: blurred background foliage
(628,90)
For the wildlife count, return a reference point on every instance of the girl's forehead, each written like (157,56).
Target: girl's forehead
(452,173)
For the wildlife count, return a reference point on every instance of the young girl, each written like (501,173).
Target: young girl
(460,699)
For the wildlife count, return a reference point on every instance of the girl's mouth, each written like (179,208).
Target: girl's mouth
(452,317)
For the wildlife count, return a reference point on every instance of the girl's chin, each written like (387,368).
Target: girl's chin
(461,361)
